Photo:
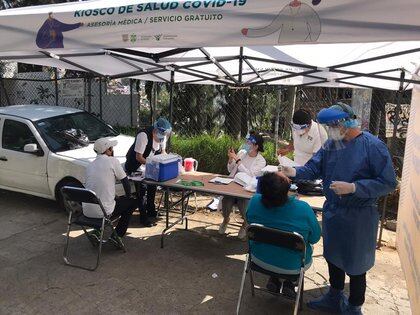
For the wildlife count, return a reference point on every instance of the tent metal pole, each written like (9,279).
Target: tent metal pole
(131,102)
(127,62)
(255,71)
(285,71)
(89,94)
(131,52)
(11,58)
(201,76)
(311,83)
(171,104)
(241,62)
(54,56)
(171,97)
(100,97)
(56,85)
(397,114)
(218,65)
(167,68)
(203,73)
(377,72)
(293,64)
(172,52)
(298,74)
(375,76)
(383,218)
(44,56)
(203,63)
(405,52)
(357,84)
(136,73)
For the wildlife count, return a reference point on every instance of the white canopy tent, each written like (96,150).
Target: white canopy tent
(336,65)
(240,43)
(164,41)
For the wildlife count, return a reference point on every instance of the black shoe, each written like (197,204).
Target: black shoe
(289,289)
(145,221)
(273,285)
(117,241)
(152,214)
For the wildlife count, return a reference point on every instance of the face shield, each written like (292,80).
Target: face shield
(250,141)
(334,122)
(163,128)
(299,130)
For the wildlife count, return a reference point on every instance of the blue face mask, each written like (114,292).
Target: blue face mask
(246,147)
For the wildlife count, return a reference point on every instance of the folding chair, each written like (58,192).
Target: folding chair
(87,196)
(290,240)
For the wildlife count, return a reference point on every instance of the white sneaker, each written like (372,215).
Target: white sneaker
(242,233)
(222,227)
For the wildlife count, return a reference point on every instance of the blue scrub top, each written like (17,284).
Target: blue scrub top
(350,222)
(294,216)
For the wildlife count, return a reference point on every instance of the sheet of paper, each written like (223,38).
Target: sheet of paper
(221,180)
(285,161)
(270,169)
(244,179)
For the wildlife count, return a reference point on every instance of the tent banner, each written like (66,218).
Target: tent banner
(198,23)
(408,228)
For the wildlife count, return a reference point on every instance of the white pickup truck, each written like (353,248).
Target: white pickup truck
(43,148)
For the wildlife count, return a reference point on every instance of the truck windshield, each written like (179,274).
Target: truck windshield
(72,131)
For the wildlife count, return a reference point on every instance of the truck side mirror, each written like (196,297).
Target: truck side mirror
(33,149)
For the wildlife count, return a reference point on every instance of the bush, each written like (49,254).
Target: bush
(211,152)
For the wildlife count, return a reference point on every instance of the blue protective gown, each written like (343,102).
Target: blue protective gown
(350,222)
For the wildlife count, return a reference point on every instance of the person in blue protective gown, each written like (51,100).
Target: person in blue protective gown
(356,169)
(50,35)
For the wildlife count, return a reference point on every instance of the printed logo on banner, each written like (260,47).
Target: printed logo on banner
(133,38)
(125,37)
(158,37)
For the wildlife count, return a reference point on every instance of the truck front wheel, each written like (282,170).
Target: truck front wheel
(76,207)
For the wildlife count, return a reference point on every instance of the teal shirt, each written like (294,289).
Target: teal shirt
(294,216)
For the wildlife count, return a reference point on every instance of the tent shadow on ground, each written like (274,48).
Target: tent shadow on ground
(178,278)
(197,269)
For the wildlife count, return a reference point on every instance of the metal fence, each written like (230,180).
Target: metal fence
(211,109)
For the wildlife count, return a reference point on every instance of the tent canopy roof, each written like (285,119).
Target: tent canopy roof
(333,65)
(286,42)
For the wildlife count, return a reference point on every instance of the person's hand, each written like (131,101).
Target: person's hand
(288,171)
(81,24)
(232,155)
(343,188)
(283,151)
(282,175)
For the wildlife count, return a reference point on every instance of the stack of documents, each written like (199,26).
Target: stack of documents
(221,180)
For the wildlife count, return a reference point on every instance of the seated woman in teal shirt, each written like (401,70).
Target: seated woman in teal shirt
(275,209)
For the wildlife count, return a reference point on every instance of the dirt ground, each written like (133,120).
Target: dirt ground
(197,272)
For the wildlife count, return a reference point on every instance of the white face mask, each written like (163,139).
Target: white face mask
(335,134)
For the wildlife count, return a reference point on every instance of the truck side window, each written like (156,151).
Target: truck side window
(16,135)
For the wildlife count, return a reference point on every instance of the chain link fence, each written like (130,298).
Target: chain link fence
(208,109)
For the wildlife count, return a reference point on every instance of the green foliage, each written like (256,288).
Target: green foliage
(211,152)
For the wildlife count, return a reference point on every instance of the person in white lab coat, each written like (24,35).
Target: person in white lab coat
(308,137)
(250,161)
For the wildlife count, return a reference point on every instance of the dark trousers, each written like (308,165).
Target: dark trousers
(146,199)
(357,284)
(124,207)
